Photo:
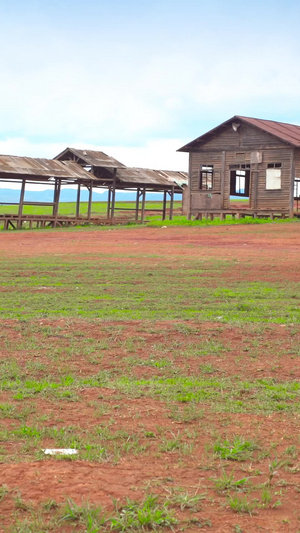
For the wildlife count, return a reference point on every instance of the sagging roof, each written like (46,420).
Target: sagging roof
(11,165)
(91,157)
(125,175)
(145,176)
(288,133)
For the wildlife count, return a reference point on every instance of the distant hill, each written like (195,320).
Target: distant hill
(70,195)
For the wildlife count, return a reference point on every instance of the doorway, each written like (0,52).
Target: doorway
(240,186)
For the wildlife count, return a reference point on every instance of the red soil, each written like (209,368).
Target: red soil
(267,252)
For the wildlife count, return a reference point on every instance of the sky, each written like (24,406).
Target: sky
(138,80)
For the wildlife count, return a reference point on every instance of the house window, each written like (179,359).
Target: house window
(206,177)
(240,181)
(297,188)
(273,176)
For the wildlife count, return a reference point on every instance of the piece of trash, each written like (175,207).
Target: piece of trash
(164,227)
(60,451)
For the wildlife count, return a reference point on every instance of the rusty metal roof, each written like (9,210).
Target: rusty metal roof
(11,165)
(153,178)
(288,133)
(130,175)
(91,157)
(46,169)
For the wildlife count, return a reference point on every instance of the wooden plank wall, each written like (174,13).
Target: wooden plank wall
(198,159)
(246,140)
(280,198)
(205,199)
(297,163)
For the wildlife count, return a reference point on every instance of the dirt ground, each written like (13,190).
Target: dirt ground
(274,249)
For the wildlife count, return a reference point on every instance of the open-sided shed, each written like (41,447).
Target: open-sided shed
(246,158)
(113,175)
(28,170)
(84,168)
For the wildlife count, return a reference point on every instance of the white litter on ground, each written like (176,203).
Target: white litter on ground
(60,451)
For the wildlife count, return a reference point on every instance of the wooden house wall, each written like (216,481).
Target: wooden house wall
(245,138)
(297,163)
(243,142)
(185,200)
(279,198)
(205,199)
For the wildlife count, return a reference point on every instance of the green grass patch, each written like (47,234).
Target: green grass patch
(112,290)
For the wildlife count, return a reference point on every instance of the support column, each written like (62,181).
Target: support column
(190,206)
(113,201)
(90,201)
(137,203)
(171,204)
(254,175)
(78,202)
(108,203)
(54,197)
(22,194)
(164,206)
(223,174)
(293,175)
(56,201)
(143,205)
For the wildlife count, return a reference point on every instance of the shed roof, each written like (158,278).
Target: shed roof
(288,133)
(92,157)
(150,177)
(12,165)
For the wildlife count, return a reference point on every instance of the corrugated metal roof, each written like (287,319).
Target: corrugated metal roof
(286,132)
(145,176)
(45,169)
(41,168)
(92,157)
(131,175)
(180,178)
(289,133)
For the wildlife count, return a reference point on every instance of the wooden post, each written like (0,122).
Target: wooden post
(292,177)
(56,200)
(164,206)
(22,194)
(54,197)
(143,204)
(90,201)
(190,206)
(171,204)
(108,203)
(137,203)
(78,201)
(113,201)
(254,176)
(223,174)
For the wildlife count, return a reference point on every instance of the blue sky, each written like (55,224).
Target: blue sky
(140,79)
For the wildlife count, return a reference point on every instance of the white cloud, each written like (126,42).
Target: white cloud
(115,81)
(157,153)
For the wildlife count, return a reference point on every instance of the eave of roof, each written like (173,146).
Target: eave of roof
(41,168)
(288,133)
(146,176)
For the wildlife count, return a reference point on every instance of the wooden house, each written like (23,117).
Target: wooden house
(252,160)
